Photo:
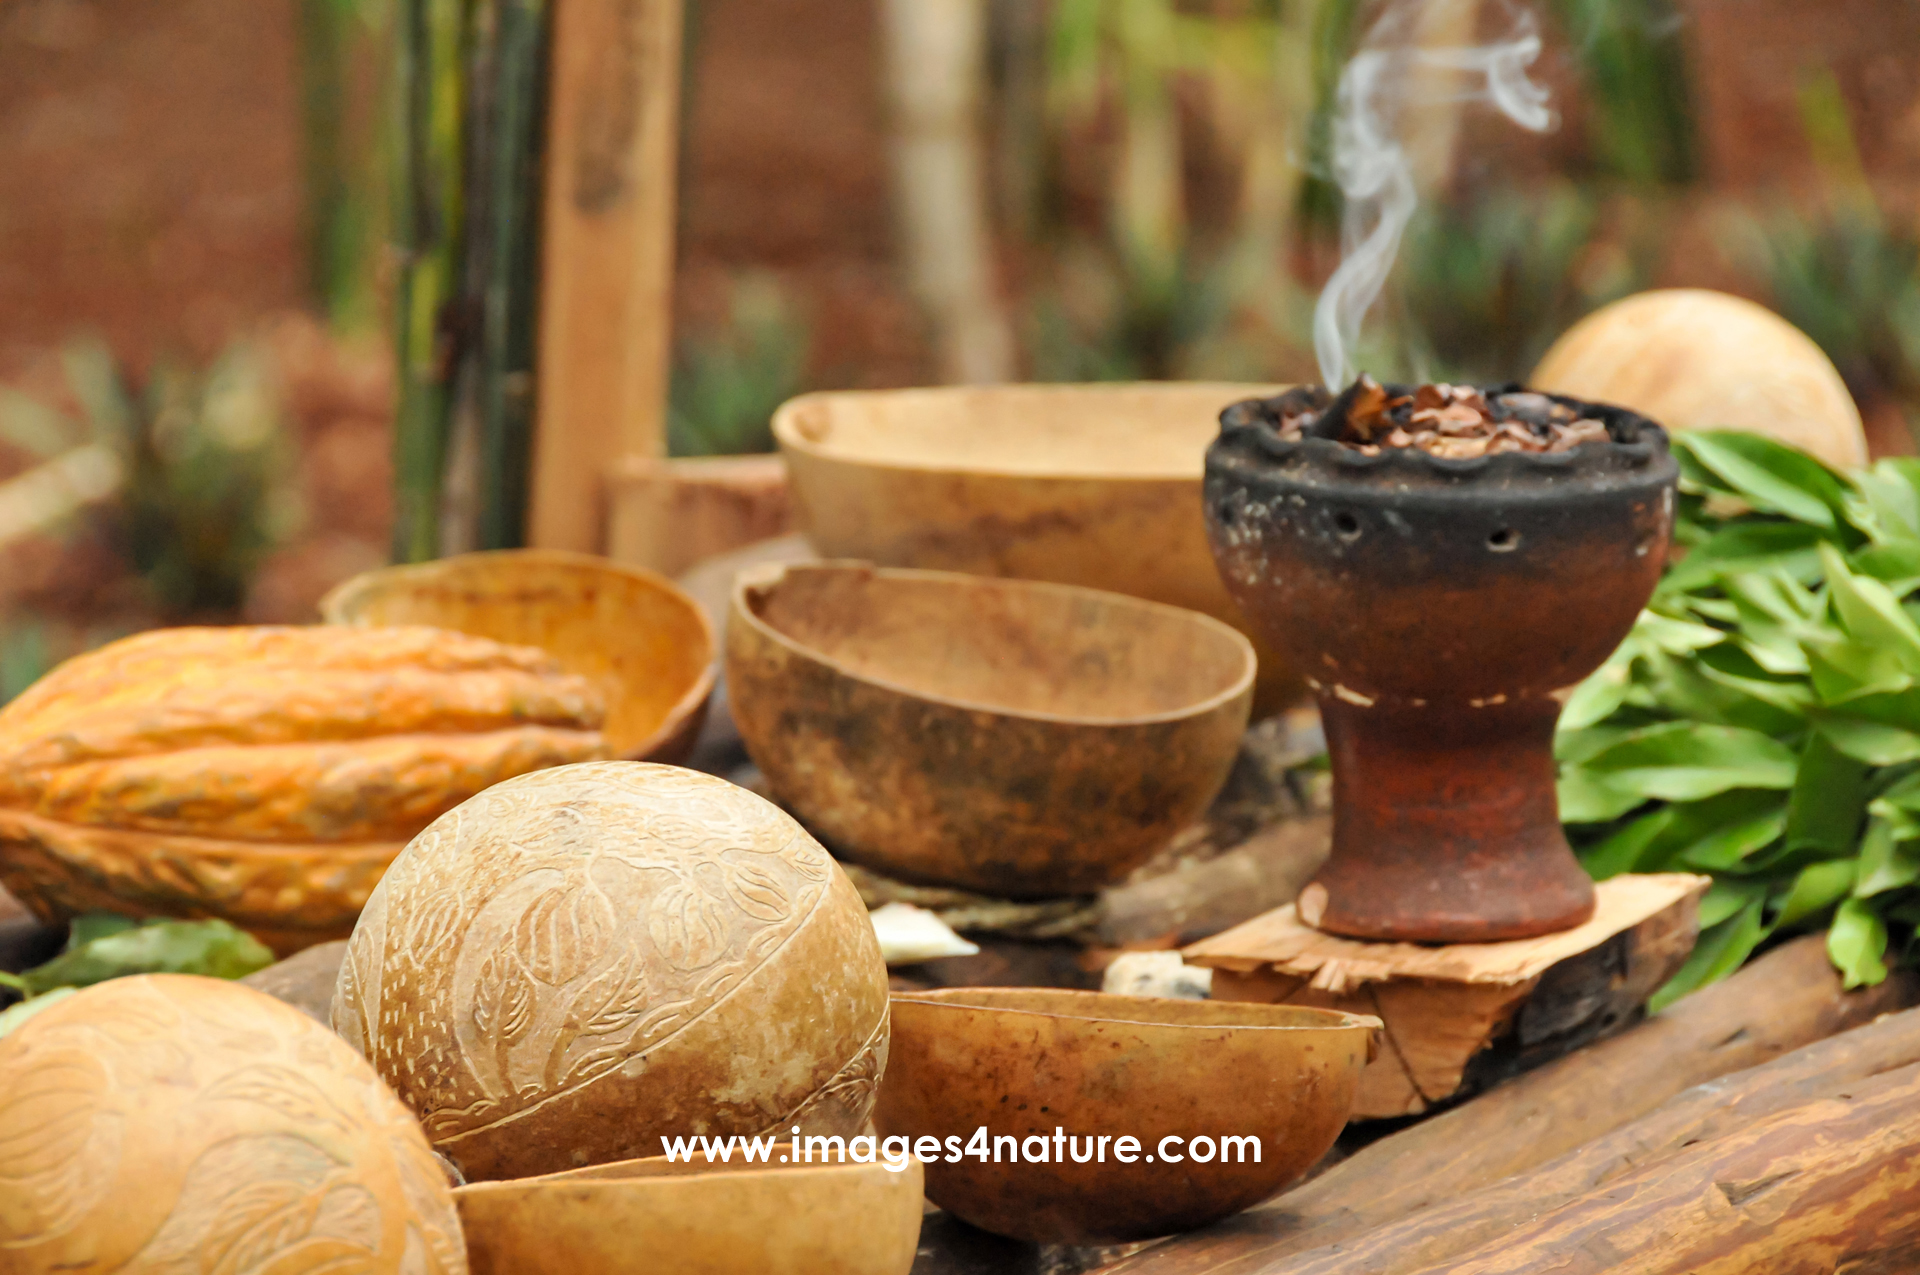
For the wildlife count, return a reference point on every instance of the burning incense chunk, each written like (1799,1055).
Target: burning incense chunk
(1457,422)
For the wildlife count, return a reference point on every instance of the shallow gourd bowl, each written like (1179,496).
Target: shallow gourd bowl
(1019,739)
(718,1219)
(1179,1077)
(1094,485)
(640,636)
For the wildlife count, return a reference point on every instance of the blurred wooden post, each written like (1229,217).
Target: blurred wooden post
(607,259)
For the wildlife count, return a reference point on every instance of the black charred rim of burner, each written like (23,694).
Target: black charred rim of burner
(1635,442)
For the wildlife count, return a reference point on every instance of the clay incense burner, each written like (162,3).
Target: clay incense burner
(1440,607)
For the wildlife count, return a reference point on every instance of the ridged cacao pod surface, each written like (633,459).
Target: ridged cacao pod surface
(265,775)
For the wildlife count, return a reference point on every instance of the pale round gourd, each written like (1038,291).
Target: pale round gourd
(1689,358)
(165,1123)
(577,963)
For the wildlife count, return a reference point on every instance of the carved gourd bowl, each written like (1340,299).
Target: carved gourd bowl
(580,962)
(171,1123)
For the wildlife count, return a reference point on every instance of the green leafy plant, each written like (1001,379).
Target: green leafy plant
(1485,284)
(727,383)
(1847,275)
(101,945)
(1761,723)
(195,471)
(1637,80)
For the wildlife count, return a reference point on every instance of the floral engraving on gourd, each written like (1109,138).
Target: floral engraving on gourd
(599,916)
(844,1103)
(56,1129)
(296,1157)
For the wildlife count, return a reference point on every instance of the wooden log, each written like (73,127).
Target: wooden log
(1265,871)
(1468,1015)
(606,260)
(1823,1070)
(1786,999)
(1829,1186)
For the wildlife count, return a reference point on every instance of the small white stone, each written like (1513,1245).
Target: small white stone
(909,934)
(1157,974)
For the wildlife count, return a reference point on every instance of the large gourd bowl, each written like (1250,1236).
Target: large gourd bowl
(639,636)
(1025,1062)
(1019,739)
(713,1218)
(1094,485)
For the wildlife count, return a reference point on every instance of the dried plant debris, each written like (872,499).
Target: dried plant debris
(1455,422)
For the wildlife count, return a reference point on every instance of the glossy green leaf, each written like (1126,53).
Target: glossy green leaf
(1743,547)
(1816,887)
(212,948)
(1886,862)
(1841,669)
(1685,761)
(1896,565)
(1723,947)
(1829,801)
(14,1015)
(1875,743)
(1887,506)
(1769,475)
(1726,846)
(1624,849)
(1602,693)
(1870,611)
(1857,942)
(1675,637)
(1585,797)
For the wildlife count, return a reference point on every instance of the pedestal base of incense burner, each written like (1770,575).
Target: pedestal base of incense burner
(1445,827)
(1353,901)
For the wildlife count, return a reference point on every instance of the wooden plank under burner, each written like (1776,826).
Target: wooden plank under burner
(1463,1016)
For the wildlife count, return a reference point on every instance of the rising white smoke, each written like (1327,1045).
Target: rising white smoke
(1392,76)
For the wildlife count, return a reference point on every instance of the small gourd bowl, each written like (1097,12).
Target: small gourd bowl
(1186,1079)
(639,636)
(1019,739)
(718,1219)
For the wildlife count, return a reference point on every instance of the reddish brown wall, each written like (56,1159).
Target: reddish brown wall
(786,170)
(149,180)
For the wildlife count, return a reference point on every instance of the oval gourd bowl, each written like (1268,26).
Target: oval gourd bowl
(1094,485)
(719,1219)
(639,636)
(1020,739)
(1025,1061)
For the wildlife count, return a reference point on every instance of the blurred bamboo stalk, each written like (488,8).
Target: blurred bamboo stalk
(428,219)
(510,299)
(470,108)
(1148,188)
(936,70)
(341,49)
